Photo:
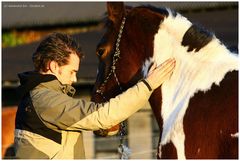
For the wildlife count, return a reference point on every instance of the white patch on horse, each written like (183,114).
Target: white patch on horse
(234,135)
(193,72)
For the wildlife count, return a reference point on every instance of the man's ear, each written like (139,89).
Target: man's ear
(53,67)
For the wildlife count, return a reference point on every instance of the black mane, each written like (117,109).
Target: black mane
(196,38)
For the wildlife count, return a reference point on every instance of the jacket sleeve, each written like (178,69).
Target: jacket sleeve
(58,110)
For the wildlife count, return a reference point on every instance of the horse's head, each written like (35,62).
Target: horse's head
(124,49)
(135,37)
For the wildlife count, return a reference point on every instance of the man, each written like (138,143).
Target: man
(49,122)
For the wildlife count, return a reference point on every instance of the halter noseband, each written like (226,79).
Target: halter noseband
(116,56)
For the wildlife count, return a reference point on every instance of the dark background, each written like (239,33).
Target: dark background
(219,17)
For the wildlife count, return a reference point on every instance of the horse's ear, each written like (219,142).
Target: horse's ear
(115,10)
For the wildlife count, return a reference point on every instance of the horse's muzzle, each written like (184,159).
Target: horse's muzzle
(108,132)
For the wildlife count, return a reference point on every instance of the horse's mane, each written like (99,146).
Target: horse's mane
(196,37)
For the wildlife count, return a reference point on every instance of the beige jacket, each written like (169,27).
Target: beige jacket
(68,117)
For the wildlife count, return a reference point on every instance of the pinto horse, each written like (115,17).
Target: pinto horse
(197,108)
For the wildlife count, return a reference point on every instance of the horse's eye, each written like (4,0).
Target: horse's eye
(100,52)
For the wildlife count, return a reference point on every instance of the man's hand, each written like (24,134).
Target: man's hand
(157,75)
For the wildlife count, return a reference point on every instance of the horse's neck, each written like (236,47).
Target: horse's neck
(213,57)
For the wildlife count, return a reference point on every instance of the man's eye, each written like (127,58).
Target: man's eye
(73,73)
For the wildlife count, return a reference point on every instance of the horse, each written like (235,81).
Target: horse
(197,108)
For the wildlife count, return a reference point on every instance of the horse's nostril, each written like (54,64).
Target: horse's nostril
(100,52)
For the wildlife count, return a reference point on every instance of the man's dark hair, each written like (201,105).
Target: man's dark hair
(56,47)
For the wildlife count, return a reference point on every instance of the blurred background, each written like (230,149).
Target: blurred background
(24,24)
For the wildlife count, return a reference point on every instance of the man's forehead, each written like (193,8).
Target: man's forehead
(74,56)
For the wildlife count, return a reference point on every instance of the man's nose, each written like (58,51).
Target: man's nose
(74,78)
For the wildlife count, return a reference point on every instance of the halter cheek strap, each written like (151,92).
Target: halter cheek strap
(116,57)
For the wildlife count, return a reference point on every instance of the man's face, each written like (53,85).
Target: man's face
(67,74)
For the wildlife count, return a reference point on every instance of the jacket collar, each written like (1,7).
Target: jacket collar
(58,86)
(32,79)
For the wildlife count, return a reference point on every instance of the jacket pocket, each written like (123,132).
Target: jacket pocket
(31,145)
(25,150)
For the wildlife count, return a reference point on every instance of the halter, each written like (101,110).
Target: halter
(123,150)
(116,56)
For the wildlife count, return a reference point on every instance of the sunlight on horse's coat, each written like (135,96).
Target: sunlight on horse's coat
(195,71)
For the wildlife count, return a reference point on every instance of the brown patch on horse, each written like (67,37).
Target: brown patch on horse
(169,151)
(8,126)
(200,121)
(155,100)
